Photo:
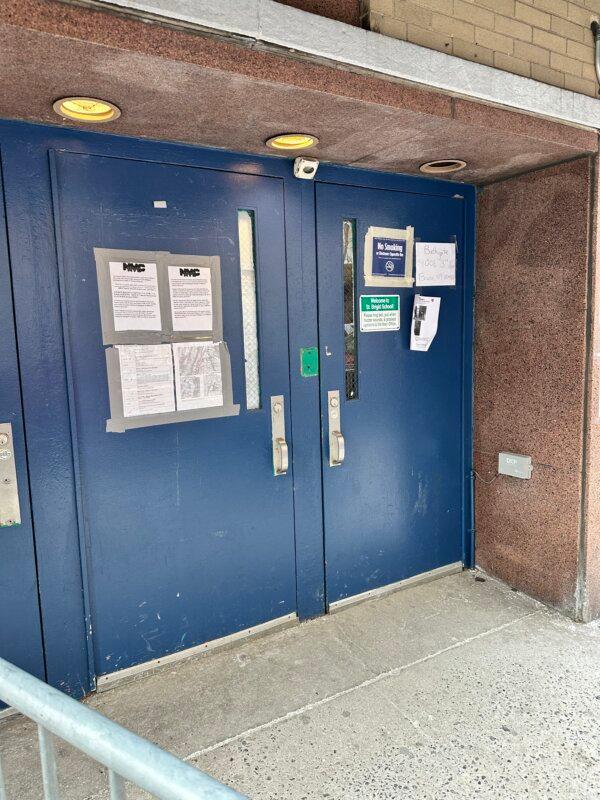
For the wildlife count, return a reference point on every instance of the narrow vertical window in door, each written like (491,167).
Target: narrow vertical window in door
(350,340)
(246,236)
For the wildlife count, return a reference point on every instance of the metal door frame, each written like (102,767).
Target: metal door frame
(25,150)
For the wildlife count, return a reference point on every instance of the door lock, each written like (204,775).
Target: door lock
(280,448)
(337,444)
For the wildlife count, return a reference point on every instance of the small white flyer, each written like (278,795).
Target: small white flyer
(424,323)
(146,379)
(135,299)
(198,377)
(435,264)
(191,298)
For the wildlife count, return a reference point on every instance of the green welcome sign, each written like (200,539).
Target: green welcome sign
(379,312)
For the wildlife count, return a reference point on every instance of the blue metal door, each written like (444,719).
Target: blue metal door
(20,628)
(188,535)
(395,507)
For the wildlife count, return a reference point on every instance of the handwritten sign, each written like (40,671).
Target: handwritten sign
(435,264)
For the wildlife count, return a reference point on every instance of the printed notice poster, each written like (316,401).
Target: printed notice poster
(435,264)
(426,312)
(146,379)
(379,312)
(191,298)
(198,378)
(136,305)
(389,257)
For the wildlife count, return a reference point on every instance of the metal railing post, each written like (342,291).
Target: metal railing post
(3,795)
(48,759)
(117,786)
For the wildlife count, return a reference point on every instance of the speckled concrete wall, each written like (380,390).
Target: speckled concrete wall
(530,373)
(590,569)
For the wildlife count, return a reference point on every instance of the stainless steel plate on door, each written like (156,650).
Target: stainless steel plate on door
(10,513)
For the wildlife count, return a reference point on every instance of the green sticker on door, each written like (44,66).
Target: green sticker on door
(379,312)
(309,361)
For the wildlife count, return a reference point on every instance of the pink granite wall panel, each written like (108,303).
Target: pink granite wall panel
(530,349)
(591,586)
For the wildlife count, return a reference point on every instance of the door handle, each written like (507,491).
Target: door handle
(281,457)
(337,443)
(338,455)
(281,460)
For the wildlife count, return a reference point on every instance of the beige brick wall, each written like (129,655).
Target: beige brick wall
(548,40)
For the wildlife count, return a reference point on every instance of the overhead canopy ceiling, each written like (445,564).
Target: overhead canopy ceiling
(184,86)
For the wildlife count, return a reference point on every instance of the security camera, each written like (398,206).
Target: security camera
(305,168)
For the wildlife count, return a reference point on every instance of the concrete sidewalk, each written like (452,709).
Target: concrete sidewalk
(453,689)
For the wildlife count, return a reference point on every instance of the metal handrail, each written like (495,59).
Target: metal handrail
(128,757)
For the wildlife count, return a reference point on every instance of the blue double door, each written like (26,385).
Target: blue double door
(186,534)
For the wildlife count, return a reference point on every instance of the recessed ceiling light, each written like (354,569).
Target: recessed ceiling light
(443,167)
(292,141)
(86,109)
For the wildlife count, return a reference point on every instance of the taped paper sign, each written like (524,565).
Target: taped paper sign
(435,264)
(198,375)
(135,299)
(426,311)
(191,298)
(146,379)
(389,256)
(379,312)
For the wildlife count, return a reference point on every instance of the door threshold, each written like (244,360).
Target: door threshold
(415,580)
(105,682)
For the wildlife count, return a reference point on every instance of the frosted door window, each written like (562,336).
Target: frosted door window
(249,307)
(349,273)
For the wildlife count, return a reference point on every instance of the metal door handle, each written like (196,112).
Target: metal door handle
(337,445)
(339,455)
(281,459)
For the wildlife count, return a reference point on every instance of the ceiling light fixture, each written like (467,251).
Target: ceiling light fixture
(443,167)
(292,141)
(86,109)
